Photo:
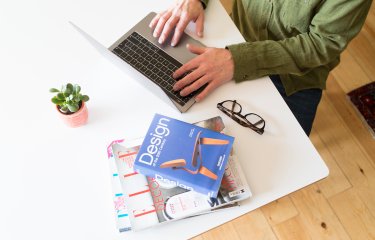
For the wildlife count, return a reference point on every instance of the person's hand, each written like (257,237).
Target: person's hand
(178,17)
(212,66)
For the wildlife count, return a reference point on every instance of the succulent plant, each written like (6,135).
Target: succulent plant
(69,99)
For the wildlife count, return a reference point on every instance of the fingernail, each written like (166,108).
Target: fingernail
(155,35)
(173,44)
(161,40)
(200,34)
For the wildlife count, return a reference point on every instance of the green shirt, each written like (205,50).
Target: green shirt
(300,40)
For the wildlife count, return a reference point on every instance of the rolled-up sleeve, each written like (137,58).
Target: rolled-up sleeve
(330,31)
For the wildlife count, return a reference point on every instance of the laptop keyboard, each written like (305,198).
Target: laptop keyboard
(152,62)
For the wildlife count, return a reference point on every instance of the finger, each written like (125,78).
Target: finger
(155,20)
(206,91)
(180,28)
(195,49)
(162,20)
(168,27)
(188,79)
(200,24)
(194,86)
(189,66)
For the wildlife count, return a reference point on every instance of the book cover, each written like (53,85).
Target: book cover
(363,100)
(184,154)
(151,202)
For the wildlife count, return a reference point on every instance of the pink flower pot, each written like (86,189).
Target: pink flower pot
(76,119)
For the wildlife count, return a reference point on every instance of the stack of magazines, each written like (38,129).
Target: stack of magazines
(143,201)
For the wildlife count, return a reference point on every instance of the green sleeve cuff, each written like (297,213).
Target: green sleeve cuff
(244,63)
(204,3)
(253,60)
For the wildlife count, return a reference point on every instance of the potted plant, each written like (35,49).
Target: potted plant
(70,103)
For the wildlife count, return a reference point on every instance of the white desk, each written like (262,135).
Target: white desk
(54,181)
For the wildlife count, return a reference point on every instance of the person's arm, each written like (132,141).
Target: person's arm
(334,25)
(331,29)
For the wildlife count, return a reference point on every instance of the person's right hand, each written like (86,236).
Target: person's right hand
(178,17)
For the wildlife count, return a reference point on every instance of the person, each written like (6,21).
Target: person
(296,43)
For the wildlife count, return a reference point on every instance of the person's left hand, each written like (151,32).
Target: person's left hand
(213,66)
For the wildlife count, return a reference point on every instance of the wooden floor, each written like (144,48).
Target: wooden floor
(342,206)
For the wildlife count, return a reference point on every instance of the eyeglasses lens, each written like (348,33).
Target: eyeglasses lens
(255,120)
(232,106)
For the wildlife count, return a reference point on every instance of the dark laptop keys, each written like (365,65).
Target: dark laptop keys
(152,62)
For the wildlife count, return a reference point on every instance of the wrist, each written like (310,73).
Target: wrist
(229,62)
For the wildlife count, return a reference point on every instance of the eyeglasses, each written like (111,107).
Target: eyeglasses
(251,120)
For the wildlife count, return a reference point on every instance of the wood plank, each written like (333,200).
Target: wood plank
(347,112)
(369,33)
(336,181)
(370,20)
(349,74)
(227,4)
(223,232)
(354,215)
(317,216)
(253,225)
(279,211)
(363,52)
(350,157)
(291,229)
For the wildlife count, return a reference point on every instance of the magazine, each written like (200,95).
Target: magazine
(149,211)
(121,212)
(184,154)
(151,201)
(363,100)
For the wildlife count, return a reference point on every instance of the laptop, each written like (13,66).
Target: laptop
(149,63)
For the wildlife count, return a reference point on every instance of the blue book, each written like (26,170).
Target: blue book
(184,154)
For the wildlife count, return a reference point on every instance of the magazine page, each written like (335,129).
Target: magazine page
(191,156)
(137,194)
(121,212)
(234,186)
